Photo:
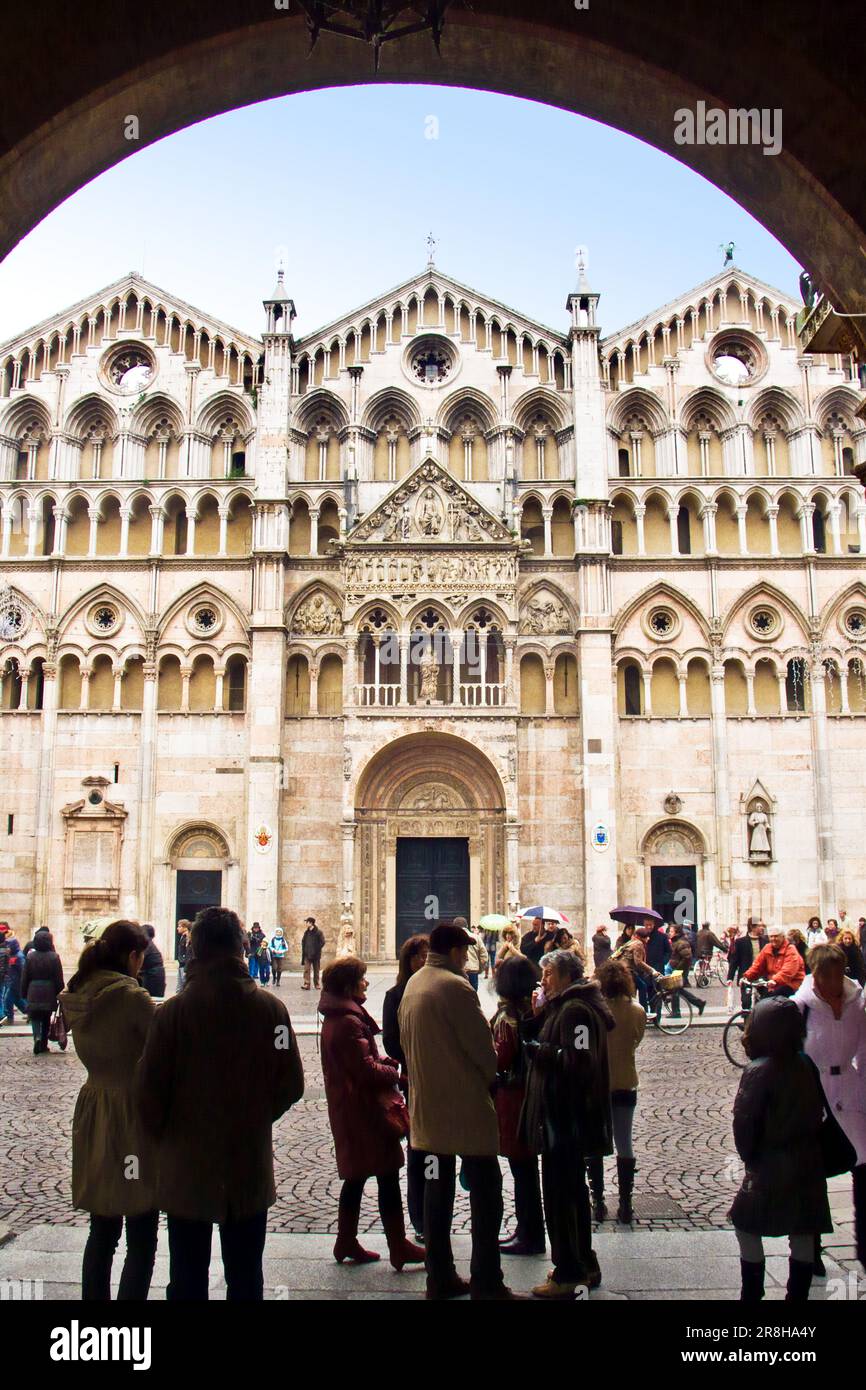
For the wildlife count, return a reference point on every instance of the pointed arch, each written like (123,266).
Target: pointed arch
(706,400)
(197,592)
(637,401)
(653,592)
(763,589)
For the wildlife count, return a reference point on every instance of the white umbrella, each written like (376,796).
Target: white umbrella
(549,914)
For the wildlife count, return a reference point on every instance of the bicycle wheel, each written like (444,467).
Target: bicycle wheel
(702,977)
(670,1023)
(732,1039)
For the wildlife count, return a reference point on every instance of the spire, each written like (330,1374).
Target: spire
(582,303)
(280,307)
(580,260)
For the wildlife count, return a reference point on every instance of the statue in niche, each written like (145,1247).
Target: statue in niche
(759,834)
(428,668)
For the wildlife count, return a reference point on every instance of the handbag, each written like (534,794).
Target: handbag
(57,1029)
(838,1154)
(395,1113)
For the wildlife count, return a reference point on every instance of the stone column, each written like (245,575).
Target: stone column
(512,861)
(598,723)
(741,529)
(314,530)
(44,795)
(404,669)
(639,514)
(185,673)
(548,687)
(93,516)
(125,513)
(224,531)
(547,515)
(314,687)
(708,517)
(146,777)
(773,519)
(721,786)
(348,829)
(456,639)
(266,703)
(116,696)
(823,791)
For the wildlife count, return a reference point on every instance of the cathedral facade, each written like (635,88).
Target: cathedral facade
(435,609)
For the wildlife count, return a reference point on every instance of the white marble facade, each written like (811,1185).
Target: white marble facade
(592,607)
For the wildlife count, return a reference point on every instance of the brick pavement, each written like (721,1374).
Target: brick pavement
(686,1177)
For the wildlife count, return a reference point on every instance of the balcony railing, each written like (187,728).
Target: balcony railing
(473,695)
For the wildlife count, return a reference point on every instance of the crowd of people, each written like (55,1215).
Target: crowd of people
(179,1099)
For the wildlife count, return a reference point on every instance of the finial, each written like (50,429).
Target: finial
(580,257)
(432,243)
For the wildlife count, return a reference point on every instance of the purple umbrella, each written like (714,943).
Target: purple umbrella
(635,914)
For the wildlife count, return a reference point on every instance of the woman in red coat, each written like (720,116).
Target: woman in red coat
(516,978)
(366,1111)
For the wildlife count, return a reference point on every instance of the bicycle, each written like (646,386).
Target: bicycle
(660,1008)
(710,968)
(734,1030)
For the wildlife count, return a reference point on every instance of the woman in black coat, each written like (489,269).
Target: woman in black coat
(413,954)
(778,1112)
(567,1115)
(41,982)
(855,967)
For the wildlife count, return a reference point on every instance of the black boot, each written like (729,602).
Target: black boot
(818,1269)
(595,1170)
(625,1170)
(799,1281)
(752,1280)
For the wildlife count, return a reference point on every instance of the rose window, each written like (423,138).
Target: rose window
(764,622)
(662,622)
(431,365)
(205,619)
(105,618)
(855,623)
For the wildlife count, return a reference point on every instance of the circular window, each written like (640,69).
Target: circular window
(11,622)
(662,624)
(204,620)
(103,619)
(764,622)
(855,623)
(95,797)
(737,359)
(129,368)
(430,361)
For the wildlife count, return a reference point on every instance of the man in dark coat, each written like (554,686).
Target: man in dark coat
(567,1114)
(220,1065)
(312,946)
(746,950)
(11,966)
(538,940)
(152,976)
(658,947)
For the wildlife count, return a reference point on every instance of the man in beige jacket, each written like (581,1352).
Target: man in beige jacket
(451,1064)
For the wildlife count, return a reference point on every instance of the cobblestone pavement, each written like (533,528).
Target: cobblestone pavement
(687,1168)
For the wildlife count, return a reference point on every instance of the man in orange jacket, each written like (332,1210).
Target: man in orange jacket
(779,963)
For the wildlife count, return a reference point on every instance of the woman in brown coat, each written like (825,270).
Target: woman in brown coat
(618,988)
(109,1015)
(367,1114)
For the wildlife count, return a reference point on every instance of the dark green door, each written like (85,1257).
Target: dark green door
(675,892)
(196,888)
(432,883)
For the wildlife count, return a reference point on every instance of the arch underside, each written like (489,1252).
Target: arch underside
(623,64)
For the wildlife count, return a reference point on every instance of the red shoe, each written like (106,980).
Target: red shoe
(347,1248)
(406,1253)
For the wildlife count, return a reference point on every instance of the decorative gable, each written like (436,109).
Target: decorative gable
(430,507)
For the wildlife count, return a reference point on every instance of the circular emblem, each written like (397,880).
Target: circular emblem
(262,839)
(600,837)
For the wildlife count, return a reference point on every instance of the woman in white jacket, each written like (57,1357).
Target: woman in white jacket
(833,1008)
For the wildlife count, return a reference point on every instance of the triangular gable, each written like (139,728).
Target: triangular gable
(431,278)
(132,281)
(429,507)
(694,295)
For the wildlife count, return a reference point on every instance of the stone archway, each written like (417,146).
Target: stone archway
(197,848)
(425,786)
(624,63)
(673,854)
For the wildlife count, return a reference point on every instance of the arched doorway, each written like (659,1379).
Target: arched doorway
(673,854)
(430,839)
(199,872)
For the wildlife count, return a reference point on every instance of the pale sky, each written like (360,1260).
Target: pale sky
(345,186)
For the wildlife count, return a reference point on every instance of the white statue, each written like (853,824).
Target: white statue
(428,668)
(759,839)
